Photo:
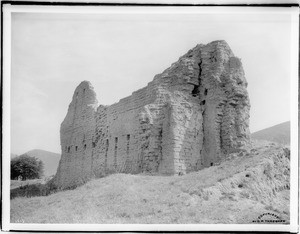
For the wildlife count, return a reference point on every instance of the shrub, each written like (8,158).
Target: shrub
(26,167)
(245,194)
(228,195)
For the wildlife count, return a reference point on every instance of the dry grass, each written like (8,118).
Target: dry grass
(236,191)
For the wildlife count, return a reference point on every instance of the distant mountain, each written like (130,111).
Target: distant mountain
(49,159)
(13,155)
(279,133)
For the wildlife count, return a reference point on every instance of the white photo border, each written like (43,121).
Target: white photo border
(8,9)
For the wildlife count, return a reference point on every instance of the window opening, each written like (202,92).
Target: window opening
(128,142)
(107,144)
(106,151)
(195,91)
(116,151)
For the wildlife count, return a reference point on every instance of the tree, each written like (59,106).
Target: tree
(26,167)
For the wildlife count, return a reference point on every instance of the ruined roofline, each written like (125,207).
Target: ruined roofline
(198,47)
(221,45)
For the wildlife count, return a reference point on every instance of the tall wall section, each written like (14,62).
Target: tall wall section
(76,134)
(187,118)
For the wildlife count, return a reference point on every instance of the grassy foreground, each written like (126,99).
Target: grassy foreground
(236,191)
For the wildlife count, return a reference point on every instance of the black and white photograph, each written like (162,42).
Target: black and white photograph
(138,118)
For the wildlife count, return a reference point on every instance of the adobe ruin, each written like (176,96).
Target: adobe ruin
(188,118)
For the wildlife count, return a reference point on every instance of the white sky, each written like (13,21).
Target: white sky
(120,53)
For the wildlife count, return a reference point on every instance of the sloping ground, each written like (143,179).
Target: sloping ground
(49,159)
(238,190)
(279,133)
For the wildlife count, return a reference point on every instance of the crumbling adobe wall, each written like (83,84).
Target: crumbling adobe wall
(225,102)
(76,133)
(119,135)
(187,118)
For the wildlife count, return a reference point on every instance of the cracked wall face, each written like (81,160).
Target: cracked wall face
(189,117)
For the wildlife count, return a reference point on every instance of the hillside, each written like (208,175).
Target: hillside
(279,133)
(238,190)
(50,160)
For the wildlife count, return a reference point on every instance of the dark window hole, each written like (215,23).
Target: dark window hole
(160,133)
(205,92)
(76,148)
(84,146)
(195,91)
(211,164)
(240,185)
(202,103)
(247,175)
(106,148)
(128,140)
(116,143)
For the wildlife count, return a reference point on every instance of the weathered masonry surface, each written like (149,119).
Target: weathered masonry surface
(187,118)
